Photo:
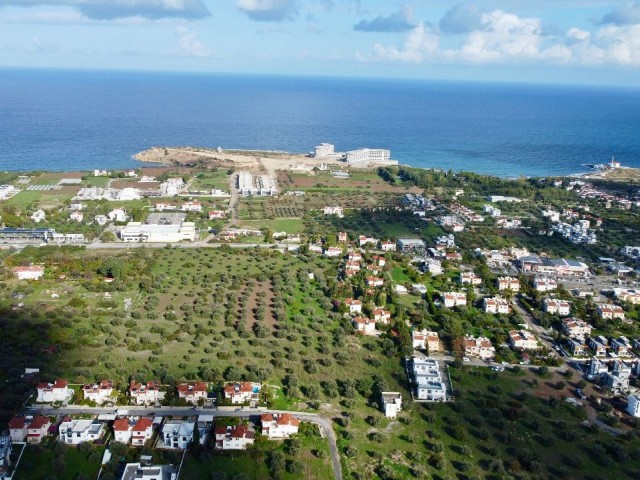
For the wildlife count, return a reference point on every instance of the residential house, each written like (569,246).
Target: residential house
(337,211)
(523,340)
(454,299)
(54,392)
(577,347)
(355,306)
(18,429)
(118,215)
(599,345)
(621,346)
(76,216)
(333,252)
(38,216)
(556,307)
(391,403)
(387,246)
(142,432)
(242,392)
(73,432)
(122,429)
(193,206)
(596,367)
(576,328)
(343,237)
(33,272)
(364,325)
(279,425)
(633,405)
(508,283)
(379,260)
(315,248)
(193,392)
(38,428)
(177,434)
(426,340)
(236,437)
(478,347)
(453,256)
(354,256)
(375,282)
(161,207)
(216,214)
(610,311)
(496,305)
(98,392)
(424,366)
(364,240)
(101,219)
(148,394)
(434,267)
(618,378)
(427,378)
(352,265)
(382,316)
(542,284)
(470,278)
(147,471)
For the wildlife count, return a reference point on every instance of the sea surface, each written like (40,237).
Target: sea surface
(79,120)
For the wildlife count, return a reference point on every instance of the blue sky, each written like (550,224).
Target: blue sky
(573,41)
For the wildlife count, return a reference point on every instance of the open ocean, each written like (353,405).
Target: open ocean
(74,120)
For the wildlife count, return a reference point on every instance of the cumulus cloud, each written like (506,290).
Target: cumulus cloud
(627,15)
(269,10)
(501,37)
(189,45)
(419,45)
(461,18)
(400,21)
(115,9)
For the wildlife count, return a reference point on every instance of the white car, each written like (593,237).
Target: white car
(466,359)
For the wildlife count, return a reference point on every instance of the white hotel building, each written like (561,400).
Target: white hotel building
(368,155)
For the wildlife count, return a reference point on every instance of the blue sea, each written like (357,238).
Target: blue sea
(80,120)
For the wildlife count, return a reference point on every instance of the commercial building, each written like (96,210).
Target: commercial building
(136,232)
(368,155)
(250,185)
(409,244)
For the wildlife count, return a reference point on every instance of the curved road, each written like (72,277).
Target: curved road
(323,423)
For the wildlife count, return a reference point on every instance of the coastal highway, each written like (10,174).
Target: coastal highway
(323,423)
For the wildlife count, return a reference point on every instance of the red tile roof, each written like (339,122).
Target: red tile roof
(39,421)
(142,425)
(121,425)
(17,423)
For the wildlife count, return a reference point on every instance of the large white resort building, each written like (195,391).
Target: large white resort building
(263,185)
(368,155)
(160,227)
(324,150)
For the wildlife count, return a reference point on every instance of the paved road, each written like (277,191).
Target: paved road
(540,331)
(202,244)
(323,423)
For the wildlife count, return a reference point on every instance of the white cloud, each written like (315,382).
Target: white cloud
(420,44)
(269,10)
(115,9)
(501,37)
(189,45)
